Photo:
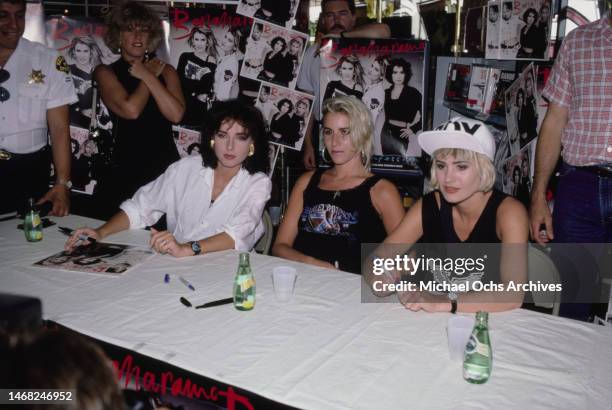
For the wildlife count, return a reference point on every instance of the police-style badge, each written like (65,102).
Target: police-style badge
(62,65)
(36,77)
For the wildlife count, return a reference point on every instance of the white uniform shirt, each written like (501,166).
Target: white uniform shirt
(309,78)
(39,80)
(184,191)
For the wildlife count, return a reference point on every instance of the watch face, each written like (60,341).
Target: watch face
(195,247)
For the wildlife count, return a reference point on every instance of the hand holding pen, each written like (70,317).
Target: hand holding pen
(81,236)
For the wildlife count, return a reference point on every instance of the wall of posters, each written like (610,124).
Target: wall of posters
(389,77)
(518,29)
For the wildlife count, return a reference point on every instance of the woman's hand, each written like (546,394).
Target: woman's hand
(165,243)
(418,300)
(138,70)
(77,238)
(407,133)
(155,66)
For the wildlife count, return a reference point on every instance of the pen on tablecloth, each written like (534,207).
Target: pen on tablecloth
(186,283)
(166,278)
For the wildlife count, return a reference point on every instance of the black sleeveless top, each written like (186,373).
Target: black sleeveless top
(334,224)
(438,232)
(144,147)
(438,222)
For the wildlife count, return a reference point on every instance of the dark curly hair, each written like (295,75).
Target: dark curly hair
(251,119)
(399,62)
(283,101)
(130,13)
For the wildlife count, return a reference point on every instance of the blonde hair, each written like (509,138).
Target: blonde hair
(129,13)
(359,119)
(483,165)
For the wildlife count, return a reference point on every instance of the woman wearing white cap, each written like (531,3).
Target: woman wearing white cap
(464,208)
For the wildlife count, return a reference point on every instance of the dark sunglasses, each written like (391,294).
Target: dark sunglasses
(4,93)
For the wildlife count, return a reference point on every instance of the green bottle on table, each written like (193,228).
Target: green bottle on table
(478,357)
(32,225)
(244,285)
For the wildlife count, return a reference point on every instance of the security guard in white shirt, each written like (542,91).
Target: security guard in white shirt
(35,90)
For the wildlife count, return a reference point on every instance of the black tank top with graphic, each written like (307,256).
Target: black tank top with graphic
(334,224)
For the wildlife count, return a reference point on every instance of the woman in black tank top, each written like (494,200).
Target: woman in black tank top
(464,209)
(331,213)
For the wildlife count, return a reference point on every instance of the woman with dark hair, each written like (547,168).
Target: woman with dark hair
(86,56)
(530,35)
(277,67)
(213,202)
(351,81)
(144,96)
(281,124)
(196,70)
(403,116)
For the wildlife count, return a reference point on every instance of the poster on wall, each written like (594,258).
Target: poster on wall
(279,12)
(274,54)
(518,29)
(389,77)
(516,174)
(521,110)
(286,113)
(81,42)
(207,47)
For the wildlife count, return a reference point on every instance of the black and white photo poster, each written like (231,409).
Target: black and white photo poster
(518,29)
(279,12)
(207,47)
(389,77)
(521,110)
(286,113)
(274,54)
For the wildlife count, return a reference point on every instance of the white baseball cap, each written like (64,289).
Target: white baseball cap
(459,132)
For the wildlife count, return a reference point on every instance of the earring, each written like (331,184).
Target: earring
(212,144)
(146,55)
(327,161)
(364,158)
(251,150)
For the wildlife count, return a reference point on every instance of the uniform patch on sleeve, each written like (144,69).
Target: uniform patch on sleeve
(62,65)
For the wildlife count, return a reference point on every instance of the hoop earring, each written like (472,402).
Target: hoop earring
(212,144)
(251,150)
(327,161)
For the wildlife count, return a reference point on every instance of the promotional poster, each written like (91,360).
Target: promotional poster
(389,77)
(521,110)
(279,12)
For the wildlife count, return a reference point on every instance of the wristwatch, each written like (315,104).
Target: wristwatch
(66,183)
(196,248)
(452,297)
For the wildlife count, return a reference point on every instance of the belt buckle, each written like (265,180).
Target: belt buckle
(5,155)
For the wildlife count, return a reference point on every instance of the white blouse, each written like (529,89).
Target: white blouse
(184,192)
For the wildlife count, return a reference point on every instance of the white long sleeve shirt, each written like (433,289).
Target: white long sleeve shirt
(184,192)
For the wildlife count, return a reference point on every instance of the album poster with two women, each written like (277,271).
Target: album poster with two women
(389,76)
(80,41)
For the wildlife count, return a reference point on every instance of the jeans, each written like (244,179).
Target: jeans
(582,214)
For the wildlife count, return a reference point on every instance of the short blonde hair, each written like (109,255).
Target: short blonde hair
(360,122)
(126,14)
(483,164)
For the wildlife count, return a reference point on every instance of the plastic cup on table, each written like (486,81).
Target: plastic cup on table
(458,330)
(283,279)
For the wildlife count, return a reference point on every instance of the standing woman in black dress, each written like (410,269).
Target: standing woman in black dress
(530,35)
(196,70)
(144,96)
(402,111)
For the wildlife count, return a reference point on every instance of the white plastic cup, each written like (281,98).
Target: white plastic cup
(284,278)
(458,330)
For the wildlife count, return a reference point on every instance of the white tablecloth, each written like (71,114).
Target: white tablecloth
(324,350)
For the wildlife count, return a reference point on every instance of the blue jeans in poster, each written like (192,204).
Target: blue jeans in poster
(582,214)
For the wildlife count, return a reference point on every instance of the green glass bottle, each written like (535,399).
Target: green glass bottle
(32,225)
(244,285)
(478,357)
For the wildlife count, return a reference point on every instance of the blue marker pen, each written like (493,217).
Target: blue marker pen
(166,278)
(186,283)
